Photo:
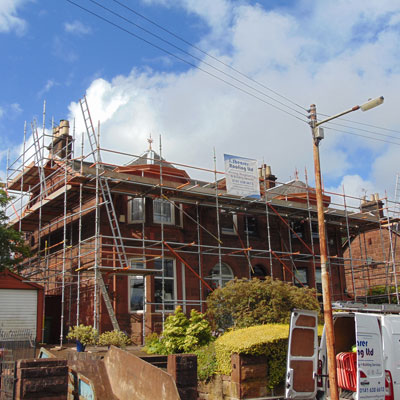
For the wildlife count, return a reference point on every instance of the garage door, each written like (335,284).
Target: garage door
(18,310)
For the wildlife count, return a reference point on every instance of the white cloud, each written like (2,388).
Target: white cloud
(337,56)
(1,112)
(9,21)
(47,87)
(77,27)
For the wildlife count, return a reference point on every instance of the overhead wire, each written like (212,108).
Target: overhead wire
(190,63)
(193,56)
(364,136)
(208,54)
(225,73)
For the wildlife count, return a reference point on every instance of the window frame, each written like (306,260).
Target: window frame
(133,262)
(225,230)
(173,301)
(296,281)
(131,200)
(221,280)
(172,211)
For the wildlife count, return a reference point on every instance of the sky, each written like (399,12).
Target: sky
(211,77)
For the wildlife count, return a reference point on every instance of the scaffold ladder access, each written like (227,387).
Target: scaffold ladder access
(107,302)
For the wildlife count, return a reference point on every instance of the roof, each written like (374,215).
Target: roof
(291,187)
(10,280)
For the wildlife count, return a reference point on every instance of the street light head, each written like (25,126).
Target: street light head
(372,103)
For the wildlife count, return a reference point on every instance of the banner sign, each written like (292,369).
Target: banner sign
(241,176)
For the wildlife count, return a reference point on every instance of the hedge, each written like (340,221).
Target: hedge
(269,340)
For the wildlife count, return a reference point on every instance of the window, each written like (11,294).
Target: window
(301,275)
(298,229)
(163,212)
(315,231)
(228,222)
(250,225)
(220,275)
(136,210)
(318,280)
(258,272)
(136,288)
(164,286)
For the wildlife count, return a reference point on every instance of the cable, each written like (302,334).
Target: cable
(207,54)
(193,56)
(365,130)
(364,136)
(183,60)
(362,123)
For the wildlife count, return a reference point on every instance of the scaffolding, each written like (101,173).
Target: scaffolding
(69,208)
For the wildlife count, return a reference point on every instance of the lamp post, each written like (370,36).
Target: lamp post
(318,135)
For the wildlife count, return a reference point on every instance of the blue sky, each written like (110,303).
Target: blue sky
(332,53)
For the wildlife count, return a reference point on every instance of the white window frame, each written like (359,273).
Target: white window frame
(133,262)
(296,274)
(173,303)
(221,280)
(132,199)
(158,220)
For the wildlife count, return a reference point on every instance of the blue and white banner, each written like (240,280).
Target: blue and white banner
(241,176)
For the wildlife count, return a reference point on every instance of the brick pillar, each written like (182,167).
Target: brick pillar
(183,368)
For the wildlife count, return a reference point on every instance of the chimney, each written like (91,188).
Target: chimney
(266,174)
(61,145)
(374,205)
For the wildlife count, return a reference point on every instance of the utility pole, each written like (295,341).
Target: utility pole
(326,294)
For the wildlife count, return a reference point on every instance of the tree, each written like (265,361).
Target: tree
(243,303)
(12,246)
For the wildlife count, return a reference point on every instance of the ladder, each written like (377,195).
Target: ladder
(361,307)
(39,160)
(108,201)
(397,196)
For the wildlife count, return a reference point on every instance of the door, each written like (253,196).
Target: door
(302,355)
(370,369)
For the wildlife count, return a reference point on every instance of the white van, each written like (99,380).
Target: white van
(372,330)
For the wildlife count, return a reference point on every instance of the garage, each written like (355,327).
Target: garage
(21,305)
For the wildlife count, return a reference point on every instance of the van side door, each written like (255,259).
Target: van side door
(370,368)
(302,357)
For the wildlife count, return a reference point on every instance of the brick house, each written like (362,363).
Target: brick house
(182,237)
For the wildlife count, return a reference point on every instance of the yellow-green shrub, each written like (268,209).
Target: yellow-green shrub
(268,340)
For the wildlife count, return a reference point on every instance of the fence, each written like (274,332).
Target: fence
(14,345)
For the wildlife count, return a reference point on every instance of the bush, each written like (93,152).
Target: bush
(269,340)
(243,303)
(114,338)
(86,334)
(206,361)
(180,334)
(153,345)
(380,295)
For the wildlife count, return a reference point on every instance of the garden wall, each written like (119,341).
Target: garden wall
(248,380)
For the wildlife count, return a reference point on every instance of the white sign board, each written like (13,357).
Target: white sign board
(241,176)
(371,375)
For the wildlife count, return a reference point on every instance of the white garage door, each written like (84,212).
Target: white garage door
(18,310)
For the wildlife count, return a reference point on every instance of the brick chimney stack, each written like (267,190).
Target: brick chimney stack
(266,174)
(374,205)
(61,145)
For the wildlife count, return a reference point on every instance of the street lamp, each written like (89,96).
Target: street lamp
(318,135)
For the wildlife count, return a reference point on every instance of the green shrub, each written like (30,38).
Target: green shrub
(180,334)
(267,340)
(154,345)
(243,303)
(206,361)
(114,338)
(86,334)
(380,294)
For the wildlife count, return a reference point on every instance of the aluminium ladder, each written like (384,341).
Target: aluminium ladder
(108,201)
